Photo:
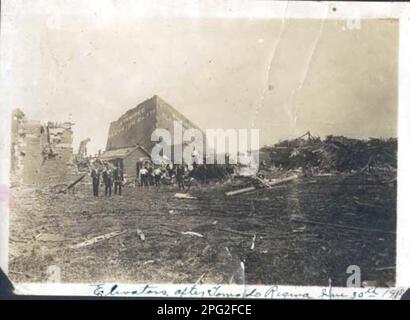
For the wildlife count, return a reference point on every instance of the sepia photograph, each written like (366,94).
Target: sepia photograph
(200,150)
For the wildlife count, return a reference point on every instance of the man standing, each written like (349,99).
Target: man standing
(170,173)
(107,178)
(157,176)
(118,179)
(150,177)
(180,176)
(143,177)
(95,176)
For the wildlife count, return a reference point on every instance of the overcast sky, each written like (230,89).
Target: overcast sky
(283,77)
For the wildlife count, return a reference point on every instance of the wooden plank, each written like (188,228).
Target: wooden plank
(184,196)
(270,184)
(97,239)
(279,181)
(341,226)
(235,192)
(236,232)
(74,183)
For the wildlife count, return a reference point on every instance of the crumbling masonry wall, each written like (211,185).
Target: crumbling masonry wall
(40,153)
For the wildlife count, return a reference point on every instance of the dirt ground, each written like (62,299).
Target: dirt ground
(254,238)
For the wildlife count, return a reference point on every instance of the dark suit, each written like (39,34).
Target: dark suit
(118,179)
(107,178)
(95,176)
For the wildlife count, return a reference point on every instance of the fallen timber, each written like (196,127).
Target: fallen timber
(71,185)
(97,239)
(268,183)
(341,226)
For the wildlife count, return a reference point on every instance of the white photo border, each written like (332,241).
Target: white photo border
(221,9)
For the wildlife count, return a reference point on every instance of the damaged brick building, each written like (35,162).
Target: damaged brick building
(136,125)
(40,153)
(133,130)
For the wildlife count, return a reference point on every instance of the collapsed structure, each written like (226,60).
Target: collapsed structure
(40,153)
(334,153)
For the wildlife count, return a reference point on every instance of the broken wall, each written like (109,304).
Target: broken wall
(41,153)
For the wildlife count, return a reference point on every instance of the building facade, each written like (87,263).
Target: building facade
(136,126)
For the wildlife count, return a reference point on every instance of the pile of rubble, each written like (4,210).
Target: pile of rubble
(342,154)
(335,153)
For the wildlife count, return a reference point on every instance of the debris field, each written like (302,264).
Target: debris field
(303,232)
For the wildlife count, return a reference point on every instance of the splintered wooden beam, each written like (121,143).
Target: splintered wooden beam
(341,226)
(235,192)
(247,234)
(184,196)
(97,239)
(270,184)
(73,183)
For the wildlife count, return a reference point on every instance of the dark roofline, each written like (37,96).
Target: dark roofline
(132,110)
(157,100)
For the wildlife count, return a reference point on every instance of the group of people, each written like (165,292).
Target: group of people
(110,176)
(148,175)
(155,176)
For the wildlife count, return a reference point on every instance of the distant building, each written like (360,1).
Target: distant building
(136,126)
(131,160)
